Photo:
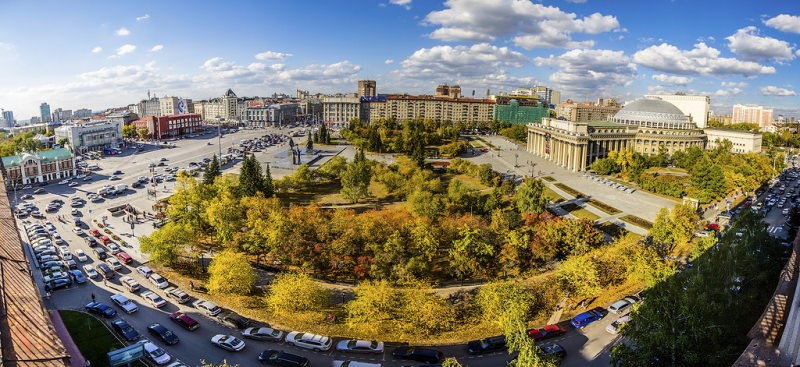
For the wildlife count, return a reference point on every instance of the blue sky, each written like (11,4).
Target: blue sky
(99,54)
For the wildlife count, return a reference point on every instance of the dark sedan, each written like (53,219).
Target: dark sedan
(126,330)
(487,345)
(101,309)
(184,321)
(166,335)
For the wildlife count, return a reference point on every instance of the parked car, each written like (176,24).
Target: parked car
(126,330)
(105,270)
(207,307)
(338,363)
(57,284)
(155,353)
(130,284)
(124,257)
(154,299)
(487,345)
(228,342)
(359,346)
(280,358)
(125,303)
(114,263)
(90,272)
(309,341)
(184,320)
(614,327)
(159,281)
(177,294)
(101,309)
(166,335)
(418,354)
(547,332)
(619,307)
(145,271)
(584,319)
(554,350)
(81,256)
(263,334)
(233,319)
(77,276)
(100,253)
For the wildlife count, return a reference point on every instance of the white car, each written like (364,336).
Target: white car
(354,364)
(159,281)
(309,341)
(156,354)
(359,346)
(154,299)
(72,184)
(63,182)
(114,248)
(131,284)
(209,308)
(56,275)
(78,231)
(90,272)
(123,302)
(145,271)
(228,342)
(614,327)
(113,178)
(114,263)
(81,255)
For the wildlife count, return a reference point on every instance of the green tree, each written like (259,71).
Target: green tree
(356,177)
(530,197)
(269,185)
(251,180)
(62,142)
(374,306)
(129,132)
(224,363)
(225,215)
(451,362)
(424,312)
(423,202)
(333,168)
(165,245)
(579,276)
(470,253)
(605,166)
(212,171)
(662,231)
(708,178)
(230,273)
(296,292)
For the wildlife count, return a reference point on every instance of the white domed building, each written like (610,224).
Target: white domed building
(644,125)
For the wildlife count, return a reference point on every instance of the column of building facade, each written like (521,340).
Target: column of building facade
(570,155)
(582,164)
(539,146)
(564,153)
(555,147)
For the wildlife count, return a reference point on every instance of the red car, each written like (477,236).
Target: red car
(184,320)
(547,332)
(105,240)
(94,233)
(124,257)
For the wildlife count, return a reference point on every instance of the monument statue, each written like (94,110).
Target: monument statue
(309,144)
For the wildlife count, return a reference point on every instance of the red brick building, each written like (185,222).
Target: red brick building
(165,127)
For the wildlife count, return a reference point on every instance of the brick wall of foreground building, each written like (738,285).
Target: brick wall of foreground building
(441,109)
(165,127)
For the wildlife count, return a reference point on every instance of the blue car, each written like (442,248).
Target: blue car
(77,276)
(588,317)
(101,309)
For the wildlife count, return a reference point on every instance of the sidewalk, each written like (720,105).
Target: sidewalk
(76,358)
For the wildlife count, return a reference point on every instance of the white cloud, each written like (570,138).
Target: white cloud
(97,49)
(216,64)
(734,84)
(388,61)
(702,60)
(785,23)
(728,92)
(218,72)
(272,56)
(143,17)
(404,3)
(446,62)
(157,48)
(590,70)
(530,25)
(772,90)
(751,46)
(576,1)
(124,50)
(123,32)
(672,79)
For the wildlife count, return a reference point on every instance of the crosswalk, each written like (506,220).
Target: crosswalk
(774,229)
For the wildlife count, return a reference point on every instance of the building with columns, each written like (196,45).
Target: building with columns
(642,125)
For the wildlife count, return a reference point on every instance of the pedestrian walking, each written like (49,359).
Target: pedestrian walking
(191,286)
(92,297)
(105,282)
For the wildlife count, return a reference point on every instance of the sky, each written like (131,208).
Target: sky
(101,54)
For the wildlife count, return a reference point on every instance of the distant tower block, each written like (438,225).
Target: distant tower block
(367,88)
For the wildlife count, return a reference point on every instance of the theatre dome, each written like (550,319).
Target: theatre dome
(653,112)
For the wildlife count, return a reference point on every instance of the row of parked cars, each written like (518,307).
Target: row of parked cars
(53,257)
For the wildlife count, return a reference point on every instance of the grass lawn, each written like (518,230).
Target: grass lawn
(639,222)
(93,339)
(472,183)
(575,193)
(579,212)
(554,197)
(608,209)
(548,178)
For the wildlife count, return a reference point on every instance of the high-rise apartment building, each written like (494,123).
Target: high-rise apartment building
(448,91)
(367,88)
(44,112)
(752,114)
(82,113)
(696,106)
(9,117)
(548,96)
(340,108)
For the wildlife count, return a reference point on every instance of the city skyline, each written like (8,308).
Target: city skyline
(111,54)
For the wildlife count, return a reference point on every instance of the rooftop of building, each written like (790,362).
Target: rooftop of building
(726,130)
(28,338)
(655,105)
(43,156)
(438,98)
(603,124)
